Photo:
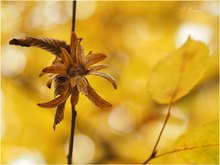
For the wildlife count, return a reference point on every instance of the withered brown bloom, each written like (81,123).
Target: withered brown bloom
(68,72)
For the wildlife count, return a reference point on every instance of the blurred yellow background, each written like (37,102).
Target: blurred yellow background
(134,36)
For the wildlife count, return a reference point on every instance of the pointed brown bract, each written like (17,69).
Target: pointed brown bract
(79,53)
(106,76)
(57,101)
(74,96)
(73,46)
(66,58)
(82,85)
(56,69)
(93,58)
(59,115)
(96,99)
(97,67)
(50,80)
(68,72)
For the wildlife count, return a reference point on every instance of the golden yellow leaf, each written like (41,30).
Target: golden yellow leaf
(200,146)
(176,75)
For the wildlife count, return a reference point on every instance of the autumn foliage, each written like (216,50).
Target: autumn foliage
(164,57)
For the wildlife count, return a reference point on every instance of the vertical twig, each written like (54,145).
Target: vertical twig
(69,156)
(74,113)
(74,16)
(154,152)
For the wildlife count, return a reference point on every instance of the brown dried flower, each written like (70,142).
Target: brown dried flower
(68,72)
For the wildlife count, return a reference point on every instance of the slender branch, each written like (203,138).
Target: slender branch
(154,152)
(74,113)
(70,153)
(74,15)
(185,149)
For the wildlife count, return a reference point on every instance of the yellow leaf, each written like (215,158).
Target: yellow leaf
(200,146)
(175,76)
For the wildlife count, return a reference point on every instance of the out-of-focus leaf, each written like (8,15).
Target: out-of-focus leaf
(176,75)
(200,146)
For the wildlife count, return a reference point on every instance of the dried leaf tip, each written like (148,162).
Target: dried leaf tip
(49,44)
(18,42)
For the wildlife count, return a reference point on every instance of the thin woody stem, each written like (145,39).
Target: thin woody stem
(70,153)
(74,16)
(74,113)
(154,152)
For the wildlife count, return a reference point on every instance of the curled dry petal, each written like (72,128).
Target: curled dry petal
(73,45)
(41,74)
(66,57)
(50,80)
(79,54)
(82,84)
(56,77)
(75,96)
(106,76)
(56,69)
(97,67)
(57,61)
(60,84)
(93,58)
(72,82)
(59,114)
(96,99)
(58,100)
